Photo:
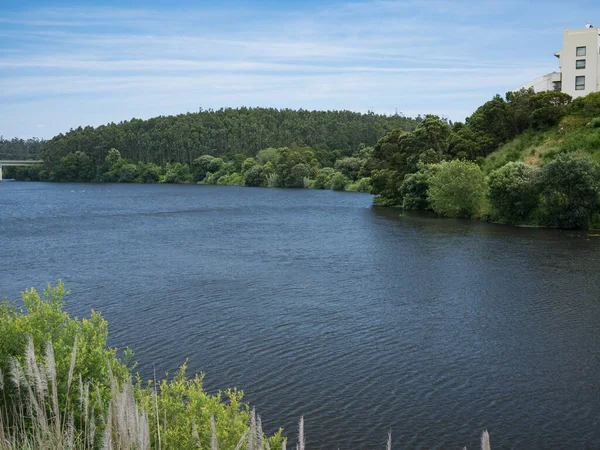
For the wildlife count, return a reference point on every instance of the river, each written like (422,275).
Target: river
(317,303)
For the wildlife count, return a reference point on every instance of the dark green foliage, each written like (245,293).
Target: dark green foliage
(26,173)
(594,123)
(323,178)
(149,173)
(362,185)
(205,164)
(457,189)
(247,165)
(549,109)
(413,190)
(386,183)
(514,191)
(128,173)
(75,167)
(349,166)
(256,176)
(293,165)
(297,175)
(339,181)
(20,149)
(587,106)
(224,133)
(570,190)
(177,173)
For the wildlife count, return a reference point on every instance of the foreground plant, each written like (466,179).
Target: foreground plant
(62,388)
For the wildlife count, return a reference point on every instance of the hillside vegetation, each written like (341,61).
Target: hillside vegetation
(525,158)
(528,159)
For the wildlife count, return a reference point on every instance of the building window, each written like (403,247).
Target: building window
(580,51)
(580,83)
(580,64)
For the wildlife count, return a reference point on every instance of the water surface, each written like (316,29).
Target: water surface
(317,303)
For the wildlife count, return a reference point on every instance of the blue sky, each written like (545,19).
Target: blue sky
(66,64)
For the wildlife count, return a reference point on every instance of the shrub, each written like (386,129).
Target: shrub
(339,182)
(349,167)
(256,176)
(594,123)
(571,123)
(231,179)
(513,191)
(570,190)
(414,188)
(149,173)
(362,185)
(79,354)
(297,175)
(177,173)
(457,189)
(128,173)
(323,178)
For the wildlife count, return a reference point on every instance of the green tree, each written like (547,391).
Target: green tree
(339,181)
(75,167)
(128,173)
(248,164)
(514,192)
(149,173)
(569,186)
(413,190)
(457,189)
(256,176)
(323,178)
(177,173)
(349,166)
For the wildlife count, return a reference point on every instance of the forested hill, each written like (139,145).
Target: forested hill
(225,132)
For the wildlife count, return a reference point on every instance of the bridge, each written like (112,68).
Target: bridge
(17,163)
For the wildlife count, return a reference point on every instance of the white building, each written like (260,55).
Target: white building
(579,65)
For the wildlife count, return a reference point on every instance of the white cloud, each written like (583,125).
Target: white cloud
(68,67)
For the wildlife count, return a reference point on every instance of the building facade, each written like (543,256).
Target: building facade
(579,62)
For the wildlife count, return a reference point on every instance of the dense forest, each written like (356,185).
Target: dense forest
(224,133)
(525,158)
(20,149)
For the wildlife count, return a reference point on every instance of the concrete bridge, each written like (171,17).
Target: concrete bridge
(17,163)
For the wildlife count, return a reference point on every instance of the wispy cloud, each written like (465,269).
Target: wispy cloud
(65,67)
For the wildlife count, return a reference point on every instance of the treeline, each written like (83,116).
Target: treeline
(20,149)
(224,133)
(289,167)
(441,167)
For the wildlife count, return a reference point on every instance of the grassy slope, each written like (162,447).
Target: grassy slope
(539,147)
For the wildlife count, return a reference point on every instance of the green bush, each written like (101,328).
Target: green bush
(339,182)
(80,355)
(569,186)
(149,173)
(177,173)
(594,123)
(513,191)
(128,173)
(232,179)
(297,175)
(323,178)
(256,176)
(415,186)
(349,167)
(457,189)
(73,393)
(362,185)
